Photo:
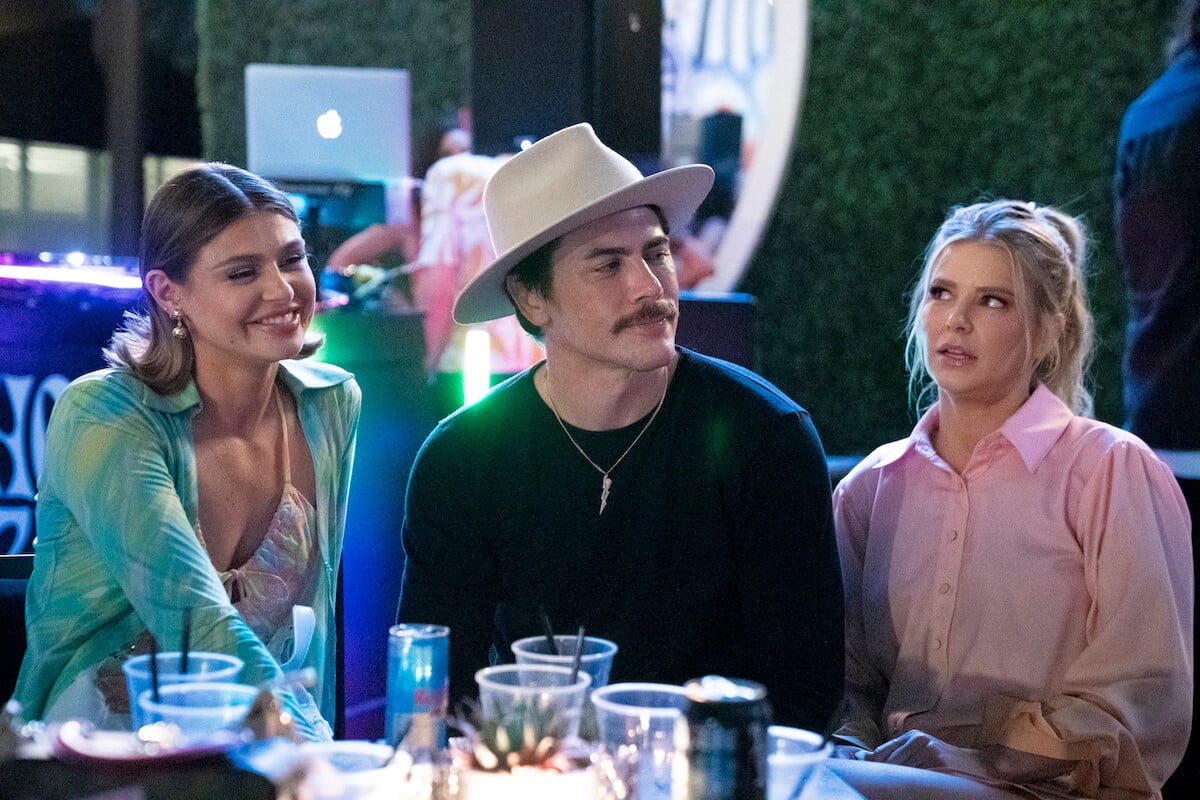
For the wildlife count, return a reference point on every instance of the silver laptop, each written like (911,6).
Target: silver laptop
(327,123)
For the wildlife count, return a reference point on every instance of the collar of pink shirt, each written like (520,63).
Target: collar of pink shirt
(1032,431)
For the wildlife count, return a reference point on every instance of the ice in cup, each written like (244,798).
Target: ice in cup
(202,667)
(636,724)
(519,693)
(199,710)
(596,659)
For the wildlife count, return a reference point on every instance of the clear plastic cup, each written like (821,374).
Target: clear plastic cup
(198,709)
(636,724)
(515,694)
(596,659)
(202,667)
(792,755)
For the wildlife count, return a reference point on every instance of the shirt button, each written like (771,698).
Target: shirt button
(944,588)
(953,535)
(937,644)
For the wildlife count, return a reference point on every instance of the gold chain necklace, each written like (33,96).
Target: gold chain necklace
(605,481)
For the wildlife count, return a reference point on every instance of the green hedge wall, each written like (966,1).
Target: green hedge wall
(910,107)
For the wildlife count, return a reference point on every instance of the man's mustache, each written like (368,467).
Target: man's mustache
(652,311)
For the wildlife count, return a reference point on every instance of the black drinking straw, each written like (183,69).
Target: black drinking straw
(187,640)
(548,629)
(578,655)
(154,669)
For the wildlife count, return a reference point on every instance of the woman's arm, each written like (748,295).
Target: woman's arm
(109,465)
(1123,710)
(862,703)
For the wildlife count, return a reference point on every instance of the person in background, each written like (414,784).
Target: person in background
(454,248)
(1157,205)
(379,239)
(206,469)
(673,503)
(453,141)
(1018,575)
(443,251)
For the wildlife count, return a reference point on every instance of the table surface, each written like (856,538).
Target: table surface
(825,784)
(51,779)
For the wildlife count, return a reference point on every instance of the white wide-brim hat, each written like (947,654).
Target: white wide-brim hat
(568,179)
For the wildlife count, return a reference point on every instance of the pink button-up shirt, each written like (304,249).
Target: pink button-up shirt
(1042,600)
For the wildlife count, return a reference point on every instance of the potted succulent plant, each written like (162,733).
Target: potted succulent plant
(527,752)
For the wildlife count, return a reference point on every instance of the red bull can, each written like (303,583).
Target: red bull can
(418,685)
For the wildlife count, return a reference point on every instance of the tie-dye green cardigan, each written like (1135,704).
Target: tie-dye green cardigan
(116,549)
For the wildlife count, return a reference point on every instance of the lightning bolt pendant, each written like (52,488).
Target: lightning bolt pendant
(605,485)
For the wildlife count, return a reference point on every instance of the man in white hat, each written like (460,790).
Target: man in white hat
(673,503)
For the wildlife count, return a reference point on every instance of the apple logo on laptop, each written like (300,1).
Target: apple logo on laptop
(329,124)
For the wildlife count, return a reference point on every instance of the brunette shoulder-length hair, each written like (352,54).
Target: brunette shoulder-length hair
(187,213)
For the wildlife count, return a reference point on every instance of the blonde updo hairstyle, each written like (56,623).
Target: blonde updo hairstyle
(187,212)
(1047,250)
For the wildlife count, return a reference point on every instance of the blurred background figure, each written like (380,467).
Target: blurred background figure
(1157,188)
(454,248)
(453,142)
(443,249)
(370,245)
(1157,209)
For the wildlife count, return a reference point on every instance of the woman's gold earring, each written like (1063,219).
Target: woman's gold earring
(179,330)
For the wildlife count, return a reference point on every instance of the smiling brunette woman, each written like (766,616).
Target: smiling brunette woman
(1018,576)
(204,470)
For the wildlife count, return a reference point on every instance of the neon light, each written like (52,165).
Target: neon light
(476,365)
(82,275)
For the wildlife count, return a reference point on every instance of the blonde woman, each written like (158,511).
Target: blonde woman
(1018,576)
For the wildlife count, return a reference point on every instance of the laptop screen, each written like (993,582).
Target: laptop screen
(327,123)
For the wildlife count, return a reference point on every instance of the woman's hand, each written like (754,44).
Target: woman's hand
(919,749)
(849,751)
(110,677)
(110,680)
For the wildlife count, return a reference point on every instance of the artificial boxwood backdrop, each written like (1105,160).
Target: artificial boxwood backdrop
(910,107)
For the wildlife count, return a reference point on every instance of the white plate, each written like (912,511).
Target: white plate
(78,742)
(355,756)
